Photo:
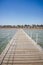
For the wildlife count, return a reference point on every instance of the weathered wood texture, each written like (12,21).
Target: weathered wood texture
(22,51)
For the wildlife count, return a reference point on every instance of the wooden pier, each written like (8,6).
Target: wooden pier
(22,50)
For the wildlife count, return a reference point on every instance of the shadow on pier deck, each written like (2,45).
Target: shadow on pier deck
(21,51)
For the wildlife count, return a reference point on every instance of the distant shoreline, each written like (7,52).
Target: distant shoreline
(34,27)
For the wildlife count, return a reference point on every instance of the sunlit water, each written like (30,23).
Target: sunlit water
(5,37)
(36,35)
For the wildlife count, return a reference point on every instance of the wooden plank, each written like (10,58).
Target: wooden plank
(23,51)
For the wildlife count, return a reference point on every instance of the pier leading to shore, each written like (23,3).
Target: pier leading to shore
(22,50)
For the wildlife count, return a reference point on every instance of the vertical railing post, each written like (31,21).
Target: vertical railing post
(31,34)
(37,38)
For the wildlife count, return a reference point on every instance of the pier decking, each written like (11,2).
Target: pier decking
(22,51)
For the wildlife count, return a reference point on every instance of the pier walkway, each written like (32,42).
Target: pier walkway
(22,50)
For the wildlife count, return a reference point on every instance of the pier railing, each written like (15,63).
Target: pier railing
(37,37)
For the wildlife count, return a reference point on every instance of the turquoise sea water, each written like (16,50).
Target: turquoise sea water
(5,37)
(36,35)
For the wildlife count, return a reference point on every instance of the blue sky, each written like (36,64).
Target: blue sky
(14,12)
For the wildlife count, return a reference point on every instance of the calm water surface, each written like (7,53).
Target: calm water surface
(36,35)
(5,37)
